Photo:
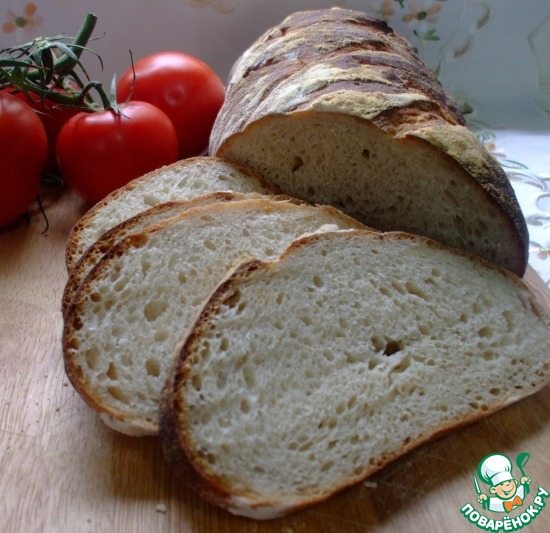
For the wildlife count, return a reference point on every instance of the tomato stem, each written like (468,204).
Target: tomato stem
(34,68)
(66,63)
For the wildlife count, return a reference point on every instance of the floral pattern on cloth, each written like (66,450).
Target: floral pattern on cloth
(25,22)
(533,192)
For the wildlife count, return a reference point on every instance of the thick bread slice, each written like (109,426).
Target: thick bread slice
(138,301)
(335,108)
(183,180)
(305,375)
(130,226)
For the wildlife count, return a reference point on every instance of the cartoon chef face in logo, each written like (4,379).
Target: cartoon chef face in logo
(506,492)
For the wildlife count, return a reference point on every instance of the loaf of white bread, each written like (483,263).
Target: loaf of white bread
(335,108)
(304,375)
(138,301)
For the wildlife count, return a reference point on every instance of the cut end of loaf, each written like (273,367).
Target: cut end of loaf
(392,184)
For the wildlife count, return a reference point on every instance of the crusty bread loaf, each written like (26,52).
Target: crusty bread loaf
(335,108)
(183,180)
(138,301)
(305,375)
(133,225)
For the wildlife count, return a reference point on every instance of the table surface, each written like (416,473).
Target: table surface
(61,470)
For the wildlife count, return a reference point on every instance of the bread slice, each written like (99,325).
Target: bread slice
(138,301)
(130,226)
(183,180)
(335,108)
(305,375)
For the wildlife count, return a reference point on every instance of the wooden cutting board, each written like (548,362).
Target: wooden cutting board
(61,470)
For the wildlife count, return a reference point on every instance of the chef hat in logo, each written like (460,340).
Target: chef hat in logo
(495,469)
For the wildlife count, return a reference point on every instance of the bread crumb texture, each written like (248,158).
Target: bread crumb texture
(312,372)
(141,298)
(183,180)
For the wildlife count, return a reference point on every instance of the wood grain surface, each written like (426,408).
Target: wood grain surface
(61,470)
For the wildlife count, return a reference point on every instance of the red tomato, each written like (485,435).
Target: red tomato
(53,117)
(23,152)
(185,88)
(100,152)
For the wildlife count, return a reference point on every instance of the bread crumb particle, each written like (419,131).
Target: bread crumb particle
(370,484)
(161,508)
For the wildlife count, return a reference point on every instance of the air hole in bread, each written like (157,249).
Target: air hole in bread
(112,372)
(249,377)
(92,357)
(196,381)
(398,287)
(297,163)
(366,153)
(373,363)
(150,200)
(152,365)
(224,344)
(154,309)
(424,329)
(386,346)
(161,335)
(232,299)
(340,408)
(245,406)
(118,394)
(145,266)
(510,320)
(74,344)
(210,458)
(460,226)
(352,358)
(414,289)
(403,365)
(209,244)
(385,291)
(392,347)
(451,197)
(120,285)
(96,297)
(488,355)
(318,281)
(485,331)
